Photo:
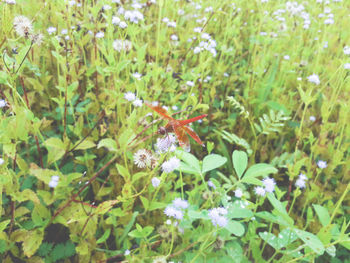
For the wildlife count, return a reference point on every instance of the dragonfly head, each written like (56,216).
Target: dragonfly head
(162,130)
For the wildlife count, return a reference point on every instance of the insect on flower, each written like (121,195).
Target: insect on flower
(179,127)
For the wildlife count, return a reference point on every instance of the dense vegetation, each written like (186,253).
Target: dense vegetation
(86,177)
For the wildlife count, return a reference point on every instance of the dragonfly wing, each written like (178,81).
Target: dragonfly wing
(193,134)
(161,111)
(182,137)
(185,122)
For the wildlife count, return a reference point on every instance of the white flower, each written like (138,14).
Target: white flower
(190,83)
(137,103)
(137,75)
(286,57)
(171,24)
(322,164)
(106,7)
(10,2)
(51,30)
(302,176)
(123,24)
(346,50)
(127,252)
(164,144)
(54,181)
(171,165)
(36,38)
(211,184)
(173,212)
(180,204)
(100,34)
(196,50)
(300,183)
(347,66)
(269,184)
(155,182)
(2,161)
(3,103)
(217,216)
(312,118)
(129,96)
(238,193)
(22,25)
(174,37)
(133,16)
(142,158)
(314,79)
(115,20)
(259,191)
(64,31)
(120,45)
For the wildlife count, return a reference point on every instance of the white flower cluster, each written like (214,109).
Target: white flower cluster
(120,44)
(130,96)
(217,216)
(269,187)
(176,208)
(54,181)
(301,181)
(208,44)
(170,165)
(143,158)
(166,144)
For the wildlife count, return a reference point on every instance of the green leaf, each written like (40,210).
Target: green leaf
(260,169)
(286,237)
(235,228)
(191,163)
(45,249)
(86,144)
(56,149)
(32,242)
(105,206)
(140,232)
(240,162)
(128,227)
(110,144)
(3,246)
(156,205)
(104,237)
(311,241)
(322,214)
(280,210)
(212,161)
(124,172)
(4,224)
(145,202)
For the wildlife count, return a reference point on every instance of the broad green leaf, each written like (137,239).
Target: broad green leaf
(104,237)
(235,228)
(156,205)
(145,202)
(32,242)
(110,144)
(235,251)
(280,210)
(185,168)
(105,206)
(128,227)
(322,214)
(86,144)
(212,161)
(140,232)
(311,241)
(286,237)
(191,163)
(240,162)
(260,169)
(124,172)
(56,149)
(4,224)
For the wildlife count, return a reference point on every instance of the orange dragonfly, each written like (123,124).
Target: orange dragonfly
(179,127)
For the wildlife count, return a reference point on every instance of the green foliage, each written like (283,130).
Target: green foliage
(86,175)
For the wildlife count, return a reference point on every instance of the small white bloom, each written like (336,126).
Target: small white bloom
(190,83)
(53,184)
(259,191)
(115,20)
(127,252)
(123,24)
(174,37)
(346,50)
(51,30)
(142,158)
(55,178)
(322,164)
(347,66)
(64,31)
(2,161)
(129,96)
(286,57)
(300,183)
(137,103)
(312,118)
(238,193)
(180,204)
(155,182)
(100,34)
(3,103)
(120,45)
(314,79)
(171,24)
(211,184)
(23,26)
(137,75)
(171,165)
(269,184)
(196,50)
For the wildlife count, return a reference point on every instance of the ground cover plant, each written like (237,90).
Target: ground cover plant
(87,174)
